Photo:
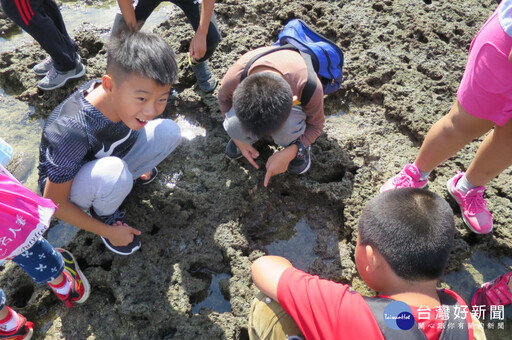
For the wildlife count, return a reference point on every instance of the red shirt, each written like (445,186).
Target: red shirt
(325,309)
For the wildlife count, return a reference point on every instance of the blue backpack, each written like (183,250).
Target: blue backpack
(323,58)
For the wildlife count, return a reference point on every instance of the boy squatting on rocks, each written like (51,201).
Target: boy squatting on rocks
(264,106)
(103,137)
(484,101)
(405,237)
(201,17)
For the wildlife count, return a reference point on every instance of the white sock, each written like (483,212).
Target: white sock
(464,185)
(12,323)
(424,175)
(62,289)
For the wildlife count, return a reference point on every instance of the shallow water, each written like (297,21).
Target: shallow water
(303,239)
(214,298)
(77,13)
(23,133)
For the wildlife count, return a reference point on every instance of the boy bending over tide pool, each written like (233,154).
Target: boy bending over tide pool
(265,106)
(405,237)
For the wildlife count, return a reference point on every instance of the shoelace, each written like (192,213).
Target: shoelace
(47,60)
(475,202)
(403,179)
(52,73)
(116,216)
(498,292)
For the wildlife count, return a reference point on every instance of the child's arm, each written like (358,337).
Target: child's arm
(279,161)
(197,47)
(128,12)
(266,272)
(70,213)
(248,151)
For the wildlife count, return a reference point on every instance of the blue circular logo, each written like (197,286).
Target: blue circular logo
(398,315)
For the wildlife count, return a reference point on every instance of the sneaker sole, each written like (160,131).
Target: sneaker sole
(307,168)
(85,282)
(78,75)
(466,222)
(109,247)
(29,334)
(40,74)
(154,173)
(381,190)
(228,157)
(210,91)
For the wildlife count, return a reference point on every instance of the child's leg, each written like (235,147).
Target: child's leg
(192,10)
(3,310)
(234,129)
(493,156)
(102,184)
(43,21)
(12,324)
(143,10)
(448,135)
(57,268)
(155,142)
(42,262)
(268,320)
(292,128)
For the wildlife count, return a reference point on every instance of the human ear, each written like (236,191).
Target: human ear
(373,258)
(107,82)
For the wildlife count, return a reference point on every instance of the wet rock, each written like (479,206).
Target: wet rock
(403,62)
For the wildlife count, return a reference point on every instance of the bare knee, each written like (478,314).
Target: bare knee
(459,122)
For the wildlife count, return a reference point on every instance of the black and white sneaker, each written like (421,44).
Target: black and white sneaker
(110,220)
(301,163)
(232,151)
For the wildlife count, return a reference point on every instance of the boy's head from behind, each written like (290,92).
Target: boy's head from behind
(143,54)
(262,102)
(413,230)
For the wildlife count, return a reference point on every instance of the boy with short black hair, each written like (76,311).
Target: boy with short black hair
(405,237)
(265,105)
(266,115)
(103,138)
(202,18)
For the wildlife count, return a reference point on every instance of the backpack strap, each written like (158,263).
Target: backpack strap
(457,332)
(377,306)
(309,88)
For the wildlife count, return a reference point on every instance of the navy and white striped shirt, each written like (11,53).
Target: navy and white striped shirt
(77,133)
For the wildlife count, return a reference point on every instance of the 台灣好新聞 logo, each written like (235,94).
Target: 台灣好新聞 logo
(398,315)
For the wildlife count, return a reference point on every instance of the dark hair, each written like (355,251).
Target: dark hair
(262,102)
(144,54)
(413,229)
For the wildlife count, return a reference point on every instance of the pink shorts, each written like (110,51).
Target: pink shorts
(485,90)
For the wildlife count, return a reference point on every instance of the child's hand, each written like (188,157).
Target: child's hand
(197,47)
(122,234)
(249,152)
(279,161)
(510,56)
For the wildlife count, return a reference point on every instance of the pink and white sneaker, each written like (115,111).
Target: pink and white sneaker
(472,206)
(408,177)
(496,292)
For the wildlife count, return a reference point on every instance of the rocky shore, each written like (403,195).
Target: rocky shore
(206,217)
